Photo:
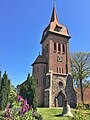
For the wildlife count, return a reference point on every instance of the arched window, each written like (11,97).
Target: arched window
(62,70)
(60,84)
(59,47)
(63,48)
(46,49)
(55,46)
(59,70)
(37,69)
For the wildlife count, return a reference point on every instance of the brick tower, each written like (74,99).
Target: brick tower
(52,68)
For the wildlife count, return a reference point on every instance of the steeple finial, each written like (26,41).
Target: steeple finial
(54,14)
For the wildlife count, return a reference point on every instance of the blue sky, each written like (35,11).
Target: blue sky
(22,23)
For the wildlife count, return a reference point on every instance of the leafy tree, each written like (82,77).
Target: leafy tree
(80,68)
(33,89)
(0,80)
(4,91)
(28,91)
(13,95)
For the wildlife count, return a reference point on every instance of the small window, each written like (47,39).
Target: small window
(37,69)
(62,70)
(55,46)
(60,84)
(58,29)
(59,47)
(63,48)
(44,69)
(57,69)
(46,49)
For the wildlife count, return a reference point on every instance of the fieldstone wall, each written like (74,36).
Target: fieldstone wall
(63,84)
(56,87)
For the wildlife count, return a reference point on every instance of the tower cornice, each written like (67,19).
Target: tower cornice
(54,33)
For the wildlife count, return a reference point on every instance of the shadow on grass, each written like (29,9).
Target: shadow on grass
(59,115)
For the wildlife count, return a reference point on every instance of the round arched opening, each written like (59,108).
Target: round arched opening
(60,84)
(60,98)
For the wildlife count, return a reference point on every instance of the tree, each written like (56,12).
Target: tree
(12,95)
(31,91)
(0,80)
(80,69)
(4,91)
(34,89)
(28,91)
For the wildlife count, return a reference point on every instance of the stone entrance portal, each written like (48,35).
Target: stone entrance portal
(60,99)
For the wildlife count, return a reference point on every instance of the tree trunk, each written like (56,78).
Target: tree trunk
(81,89)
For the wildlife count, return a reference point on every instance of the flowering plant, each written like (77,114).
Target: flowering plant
(20,111)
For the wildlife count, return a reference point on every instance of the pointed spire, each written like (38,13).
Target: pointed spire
(54,14)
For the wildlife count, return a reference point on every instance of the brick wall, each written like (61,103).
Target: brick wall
(39,74)
(52,55)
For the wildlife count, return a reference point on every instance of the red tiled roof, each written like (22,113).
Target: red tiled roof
(40,59)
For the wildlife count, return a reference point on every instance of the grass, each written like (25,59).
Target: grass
(49,113)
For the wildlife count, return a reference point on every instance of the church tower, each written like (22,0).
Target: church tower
(52,68)
(55,46)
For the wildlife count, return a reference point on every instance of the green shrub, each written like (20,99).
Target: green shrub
(79,115)
(2,113)
(81,106)
(12,95)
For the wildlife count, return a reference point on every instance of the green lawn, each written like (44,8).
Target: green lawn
(49,113)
